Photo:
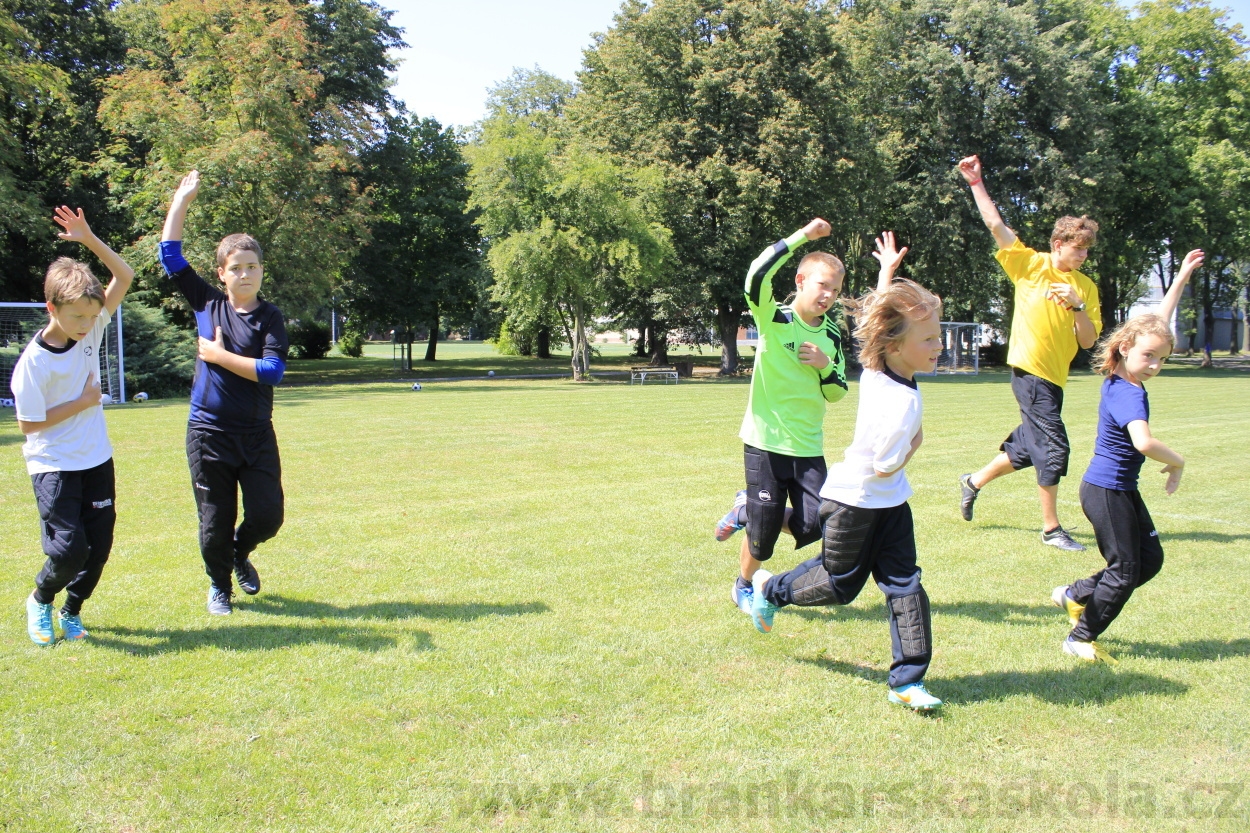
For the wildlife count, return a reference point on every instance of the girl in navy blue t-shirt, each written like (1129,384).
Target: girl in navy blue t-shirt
(1126,535)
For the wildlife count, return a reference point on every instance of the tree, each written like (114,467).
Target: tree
(231,88)
(53,58)
(422,264)
(563,222)
(738,105)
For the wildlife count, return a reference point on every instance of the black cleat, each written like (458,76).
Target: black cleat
(967,496)
(248,578)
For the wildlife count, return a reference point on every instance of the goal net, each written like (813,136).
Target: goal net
(961,348)
(18,324)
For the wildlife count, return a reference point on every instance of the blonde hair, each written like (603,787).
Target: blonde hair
(1107,354)
(823,258)
(882,318)
(232,243)
(69,280)
(1076,231)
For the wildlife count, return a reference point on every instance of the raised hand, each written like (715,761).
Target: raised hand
(188,188)
(887,253)
(74,223)
(1064,294)
(970,168)
(1191,263)
(817,229)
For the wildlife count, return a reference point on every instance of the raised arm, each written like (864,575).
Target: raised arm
(1145,442)
(889,256)
(1172,299)
(183,197)
(77,230)
(970,169)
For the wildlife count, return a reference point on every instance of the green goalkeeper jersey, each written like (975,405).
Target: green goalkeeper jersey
(786,406)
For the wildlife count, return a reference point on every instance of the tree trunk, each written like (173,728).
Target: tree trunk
(432,347)
(640,346)
(544,343)
(581,361)
(659,347)
(727,320)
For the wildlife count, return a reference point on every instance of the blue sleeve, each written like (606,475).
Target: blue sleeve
(270,369)
(171,257)
(1127,404)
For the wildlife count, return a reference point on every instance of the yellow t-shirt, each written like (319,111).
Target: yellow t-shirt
(1043,333)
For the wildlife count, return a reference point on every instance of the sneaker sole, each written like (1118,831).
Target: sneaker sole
(899,701)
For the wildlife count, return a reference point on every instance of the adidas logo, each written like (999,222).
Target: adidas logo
(789,345)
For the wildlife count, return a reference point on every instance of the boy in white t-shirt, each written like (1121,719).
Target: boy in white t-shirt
(867,522)
(56,390)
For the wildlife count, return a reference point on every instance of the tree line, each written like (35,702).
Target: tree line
(695,134)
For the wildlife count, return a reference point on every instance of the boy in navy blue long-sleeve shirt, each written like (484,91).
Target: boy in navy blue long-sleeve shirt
(231,445)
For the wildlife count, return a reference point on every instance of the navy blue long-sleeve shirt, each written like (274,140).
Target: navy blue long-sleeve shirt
(222,400)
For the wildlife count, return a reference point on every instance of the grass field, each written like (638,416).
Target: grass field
(460,359)
(498,606)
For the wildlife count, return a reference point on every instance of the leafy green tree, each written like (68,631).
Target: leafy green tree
(563,223)
(741,106)
(422,265)
(232,88)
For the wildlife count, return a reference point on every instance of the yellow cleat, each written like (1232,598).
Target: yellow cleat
(1062,600)
(1088,651)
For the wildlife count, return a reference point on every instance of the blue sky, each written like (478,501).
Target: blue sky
(457,50)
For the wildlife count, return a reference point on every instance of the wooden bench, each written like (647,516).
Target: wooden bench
(641,374)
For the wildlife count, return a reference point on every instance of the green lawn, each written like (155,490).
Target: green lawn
(458,359)
(498,606)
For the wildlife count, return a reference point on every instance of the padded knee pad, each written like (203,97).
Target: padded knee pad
(846,531)
(911,618)
(766,514)
(813,588)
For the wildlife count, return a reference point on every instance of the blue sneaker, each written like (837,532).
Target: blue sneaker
(71,626)
(762,610)
(914,696)
(742,597)
(39,622)
(728,525)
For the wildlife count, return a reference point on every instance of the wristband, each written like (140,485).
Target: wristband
(977,181)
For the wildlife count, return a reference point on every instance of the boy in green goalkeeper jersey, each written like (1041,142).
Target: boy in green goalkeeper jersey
(800,364)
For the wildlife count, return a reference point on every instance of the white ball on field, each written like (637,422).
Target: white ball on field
(141,397)
(490,373)
(105,399)
(416,386)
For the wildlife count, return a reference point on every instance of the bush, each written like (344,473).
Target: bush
(352,344)
(309,340)
(160,356)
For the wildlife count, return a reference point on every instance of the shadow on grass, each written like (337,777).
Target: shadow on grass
(837,613)
(998,611)
(1080,685)
(12,439)
(1213,537)
(151,642)
(1195,650)
(389,611)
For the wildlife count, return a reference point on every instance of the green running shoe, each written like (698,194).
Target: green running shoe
(914,696)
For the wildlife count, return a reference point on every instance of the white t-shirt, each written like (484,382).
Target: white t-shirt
(45,377)
(889,416)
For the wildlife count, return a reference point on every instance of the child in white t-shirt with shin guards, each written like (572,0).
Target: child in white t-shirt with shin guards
(865,516)
(56,388)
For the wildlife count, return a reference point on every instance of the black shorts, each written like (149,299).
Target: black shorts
(772,479)
(1041,439)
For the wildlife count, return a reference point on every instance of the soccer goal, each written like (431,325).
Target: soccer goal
(18,324)
(961,348)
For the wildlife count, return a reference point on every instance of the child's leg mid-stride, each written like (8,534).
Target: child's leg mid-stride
(220,464)
(857,543)
(1128,541)
(78,517)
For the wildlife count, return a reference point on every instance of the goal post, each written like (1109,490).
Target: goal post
(961,348)
(19,321)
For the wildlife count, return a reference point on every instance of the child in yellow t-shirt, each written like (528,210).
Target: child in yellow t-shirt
(1056,310)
